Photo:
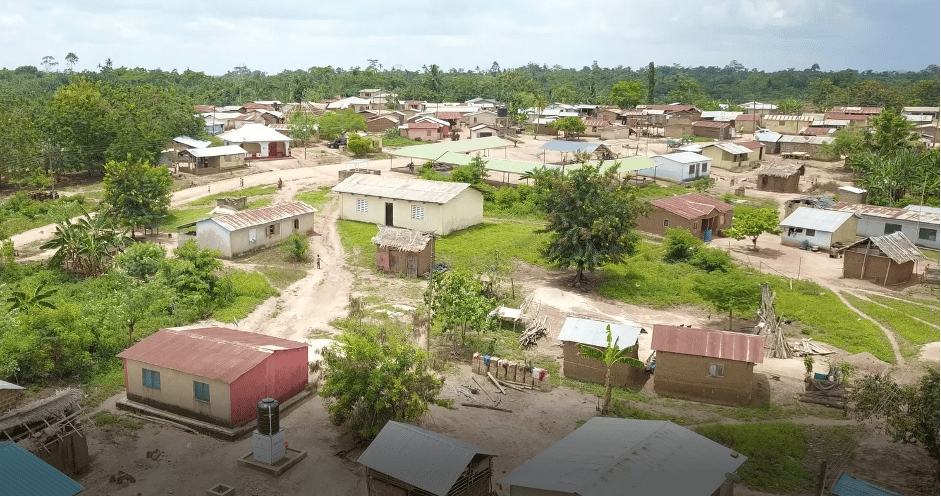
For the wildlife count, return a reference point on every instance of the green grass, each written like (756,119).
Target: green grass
(775,451)
(925,302)
(399,141)
(248,290)
(739,201)
(518,241)
(655,191)
(177,217)
(106,418)
(629,410)
(913,332)
(19,214)
(933,255)
(914,310)
(356,239)
(316,198)
(259,203)
(103,383)
(252,191)
(281,277)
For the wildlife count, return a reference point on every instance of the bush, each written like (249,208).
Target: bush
(679,245)
(141,260)
(358,145)
(296,247)
(506,197)
(711,259)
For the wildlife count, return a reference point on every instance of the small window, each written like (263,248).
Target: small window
(692,168)
(705,167)
(429,133)
(892,228)
(780,123)
(811,232)
(928,234)
(716,370)
(695,225)
(418,212)
(151,379)
(666,222)
(297,224)
(798,230)
(362,205)
(201,391)
(271,229)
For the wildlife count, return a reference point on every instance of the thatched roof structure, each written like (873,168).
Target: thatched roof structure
(780,170)
(401,239)
(63,402)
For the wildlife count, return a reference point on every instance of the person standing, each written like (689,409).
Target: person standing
(318,261)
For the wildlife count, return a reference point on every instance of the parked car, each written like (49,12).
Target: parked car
(337,143)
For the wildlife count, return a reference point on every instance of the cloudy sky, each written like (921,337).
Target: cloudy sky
(214,36)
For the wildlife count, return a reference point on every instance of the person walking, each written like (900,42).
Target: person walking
(318,261)
(241,182)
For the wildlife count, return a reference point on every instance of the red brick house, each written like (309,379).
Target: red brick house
(692,211)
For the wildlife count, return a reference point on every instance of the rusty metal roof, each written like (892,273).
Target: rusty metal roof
(888,212)
(264,215)
(216,353)
(431,461)
(708,343)
(412,190)
(753,145)
(746,117)
(711,124)
(845,117)
(691,205)
(611,456)
(872,111)
(448,115)
(896,246)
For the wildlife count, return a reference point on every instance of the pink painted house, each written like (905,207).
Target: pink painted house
(427,131)
(213,374)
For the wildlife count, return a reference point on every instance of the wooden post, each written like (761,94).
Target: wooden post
(888,267)
(822,478)
(862,270)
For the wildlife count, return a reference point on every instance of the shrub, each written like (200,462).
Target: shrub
(711,259)
(141,260)
(358,145)
(296,247)
(679,245)
(506,197)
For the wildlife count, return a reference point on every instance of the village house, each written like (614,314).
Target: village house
(921,227)
(610,113)
(759,108)
(10,396)
(594,334)
(407,460)
(213,374)
(427,130)
(688,113)
(885,260)
(704,217)
(677,128)
(482,117)
(614,456)
(805,146)
(427,206)
(819,202)
(746,123)
(771,140)
(786,124)
(355,103)
(756,151)
(713,129)
(931,112)
(930,133)
(850,119)
(852,195)
(678,167)
(857,111)
(246,231)
(225,120)
(782,178)
(381,124)
(451,117)
(728,156)
(211,159)
(259,141)
(706,365)
(403,251)
(806,227)
(482,131)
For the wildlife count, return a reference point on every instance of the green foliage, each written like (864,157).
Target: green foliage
(139,301)
(569,125)
(85,247)
(729,292)
(913,332)
(907,308)
(193,271)
(515,240)
(29,299)
(302,125)
(590,216)
(611,355)
(474,173)
(702,185)
(711,259)
(296,247)
(626,94)
(358,145)
(139,193)
(457,303)
(19,213)
(373,374)
(314,198)
(775,451)
(141,260)
(789,106)
(251,191)
(335,124)
(753,222)
(239,293)
(679,245)
(910,412)
(428,172)
(890,176)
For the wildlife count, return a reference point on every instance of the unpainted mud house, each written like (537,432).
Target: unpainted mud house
(593,333)
(783,178)
(704,217)
(706,365)
(407,460)
(884,260)
(213,374)
(612,456)
(404,251)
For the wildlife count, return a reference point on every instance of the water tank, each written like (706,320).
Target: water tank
(501,112)
(707,236)
(268,417)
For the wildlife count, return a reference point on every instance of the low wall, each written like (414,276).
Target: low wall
(349,172)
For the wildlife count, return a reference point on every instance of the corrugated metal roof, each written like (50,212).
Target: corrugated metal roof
(6,385)
(818,131)
(412,190)
(888,212)
(482,126)
(852,189)
(22,473)
(264,215)
(768,136)
(847,485)
(216,151)
(567,146)
(192,142)
(253,133)
(448,115)
(670,108)
(814,140)
(611,456)
(845,117)
(216,353)
(752,145)
(872,111)
(816,219)
(720,115)
(708,343)
(635,163)
(434,151)
(692,205)
(591,332)
(780,117)
(710,124)
(596,122)
(916,118)
(921,109)
(430,461)
(733,148)
(923,208)
(685,157)
(895,246)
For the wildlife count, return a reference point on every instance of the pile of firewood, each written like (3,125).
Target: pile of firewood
(536,330)
(806,346)
(769,323)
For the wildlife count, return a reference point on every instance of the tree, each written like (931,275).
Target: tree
(138,192)
(569,125)
(71,59)
(651,82)
(141,260)
(475,172)
(85,247)
(373,374)
(539,103)
(611,355)
(303,127)
(433,81)
(193,271)
(457,303)
(48,62)
(590,216)
(296,247)
(891,131)
(626,94)
(789,106)
(358,145)
(728,292)
(910,412)
(137,303)
(752,223)
(335,124)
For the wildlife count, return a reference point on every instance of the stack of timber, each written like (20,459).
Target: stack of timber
(821,389)
(770,324)
(536,330)
(807,346)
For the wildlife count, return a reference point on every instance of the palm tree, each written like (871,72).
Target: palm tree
(540,103)
(28,299)
(434,82)
(611,355)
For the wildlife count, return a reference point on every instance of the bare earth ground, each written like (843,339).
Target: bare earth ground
(191,464)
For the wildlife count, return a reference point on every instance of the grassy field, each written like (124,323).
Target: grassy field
(399,141)
(252,191)
(918,311)
(514,240)
(912,333)
(316,198)
(177,217)
(248,290)
(282,277)
(18,213)
(933,255)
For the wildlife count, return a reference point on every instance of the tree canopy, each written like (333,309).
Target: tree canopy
(139,193)
(751,223)
(569,125)
(626,94)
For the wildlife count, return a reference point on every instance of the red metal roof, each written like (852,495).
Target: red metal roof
(263,215)
(751,144)
(845,117)
(711,124)
(708,343)
(424,125)
(448,116)
(812,131)
(691,205)
(215,353)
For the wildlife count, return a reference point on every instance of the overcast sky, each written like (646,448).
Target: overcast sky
(213,36)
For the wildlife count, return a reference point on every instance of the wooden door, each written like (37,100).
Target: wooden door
(412,269)
(389,214)
(273,149)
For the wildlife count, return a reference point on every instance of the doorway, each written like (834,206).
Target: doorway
(389,214)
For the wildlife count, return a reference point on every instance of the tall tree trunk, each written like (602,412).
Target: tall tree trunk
(607,392)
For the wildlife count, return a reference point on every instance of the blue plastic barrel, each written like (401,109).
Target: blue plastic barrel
(707,236)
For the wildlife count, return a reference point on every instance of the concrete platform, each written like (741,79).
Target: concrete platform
(207,428)
(291,457)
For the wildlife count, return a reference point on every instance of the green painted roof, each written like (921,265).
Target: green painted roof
(433,151)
